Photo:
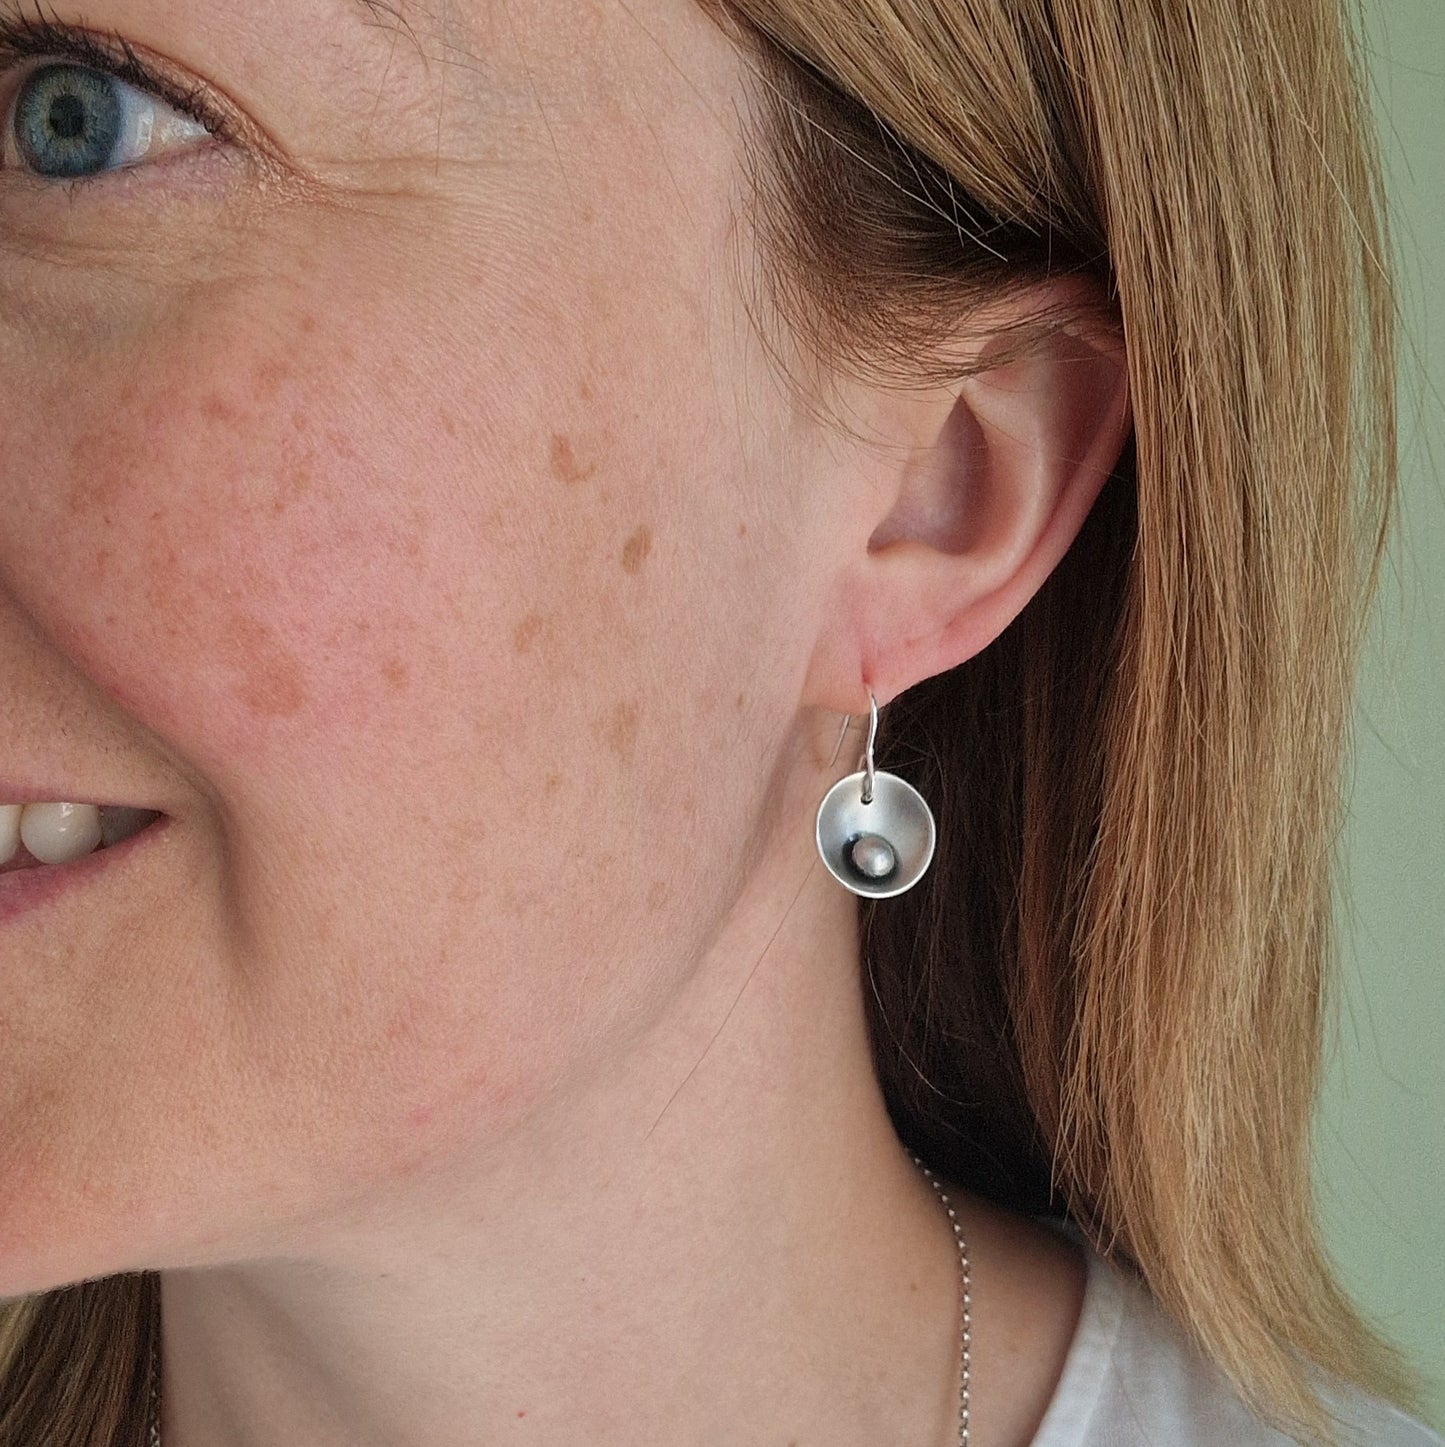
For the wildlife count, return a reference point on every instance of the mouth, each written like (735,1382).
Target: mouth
(40,836)
(61,847)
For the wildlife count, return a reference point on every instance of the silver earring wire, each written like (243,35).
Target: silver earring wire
(868,751)
(865,759)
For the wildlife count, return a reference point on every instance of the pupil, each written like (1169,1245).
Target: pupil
(67,117)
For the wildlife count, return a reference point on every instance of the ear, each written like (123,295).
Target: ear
(998,473)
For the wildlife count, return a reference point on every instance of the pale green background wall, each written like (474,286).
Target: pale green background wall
(1381,1137)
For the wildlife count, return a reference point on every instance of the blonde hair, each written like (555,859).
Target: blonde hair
(1118,1005)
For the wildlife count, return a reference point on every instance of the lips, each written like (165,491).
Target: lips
(28,888)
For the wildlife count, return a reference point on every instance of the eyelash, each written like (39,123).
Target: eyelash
(23,36)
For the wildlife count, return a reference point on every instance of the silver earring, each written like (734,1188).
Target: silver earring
(875,832)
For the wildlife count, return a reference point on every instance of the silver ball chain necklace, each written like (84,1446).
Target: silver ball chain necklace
(964,1302)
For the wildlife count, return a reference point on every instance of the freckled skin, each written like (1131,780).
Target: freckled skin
(636,549)
(317,550)
(525,634)
(425,589)
(619,727)
(566,466)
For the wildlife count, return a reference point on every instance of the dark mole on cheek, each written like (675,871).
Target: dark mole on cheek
(396,673)
(636,549)
(565,466)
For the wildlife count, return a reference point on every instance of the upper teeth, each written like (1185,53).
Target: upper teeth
(58,833)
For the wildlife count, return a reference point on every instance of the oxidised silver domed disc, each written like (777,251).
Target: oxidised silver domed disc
(851,832)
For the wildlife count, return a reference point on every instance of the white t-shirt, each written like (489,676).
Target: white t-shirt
(1132,1379)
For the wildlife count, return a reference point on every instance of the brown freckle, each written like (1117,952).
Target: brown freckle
(584,390)
(273,683)
(742,530)
(340,444)
(102,561)
(291,488)
(553,783)
(449,423)
(396,673)
(524,635)
(268,379)
(657,893)
(308,324)
(636,549)
(217,408)
(739,704)
(298,421)
(619,730)
(689,806)
(521,1412)
(564,461)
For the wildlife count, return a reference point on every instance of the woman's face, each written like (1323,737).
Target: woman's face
(413,521)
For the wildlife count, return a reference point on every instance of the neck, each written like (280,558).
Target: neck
(716,1238)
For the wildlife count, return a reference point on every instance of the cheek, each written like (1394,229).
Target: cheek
(230,543)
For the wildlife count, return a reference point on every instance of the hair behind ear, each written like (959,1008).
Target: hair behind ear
(1126,931)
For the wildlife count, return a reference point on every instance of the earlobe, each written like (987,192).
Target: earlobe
(989,499)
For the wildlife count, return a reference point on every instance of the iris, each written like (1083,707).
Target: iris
(68,120)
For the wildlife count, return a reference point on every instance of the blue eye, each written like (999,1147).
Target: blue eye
(72,121)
